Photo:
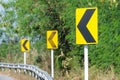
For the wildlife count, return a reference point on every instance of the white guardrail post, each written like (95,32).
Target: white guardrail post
(31,69)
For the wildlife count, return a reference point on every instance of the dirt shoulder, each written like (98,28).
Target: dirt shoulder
(4,77)
(17,76)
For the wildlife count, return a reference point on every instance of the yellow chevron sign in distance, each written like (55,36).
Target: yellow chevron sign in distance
(52,39)
(25,45)
(86,26)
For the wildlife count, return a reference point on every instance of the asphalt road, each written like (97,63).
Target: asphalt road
(5,77)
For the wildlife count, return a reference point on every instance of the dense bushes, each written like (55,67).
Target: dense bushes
(36,17)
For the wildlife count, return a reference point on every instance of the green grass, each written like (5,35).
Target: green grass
(74,74)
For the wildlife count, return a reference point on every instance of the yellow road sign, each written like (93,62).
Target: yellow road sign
(86,26)
(52,39)
(25,45)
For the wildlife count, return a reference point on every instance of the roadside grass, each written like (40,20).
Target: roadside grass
(42,60)
(94,74)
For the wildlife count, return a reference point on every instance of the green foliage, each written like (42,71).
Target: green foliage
(10,48)
(106,53)
(35,17)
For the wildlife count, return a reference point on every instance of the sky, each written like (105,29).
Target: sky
(2,11)
(5,1)
(4,35)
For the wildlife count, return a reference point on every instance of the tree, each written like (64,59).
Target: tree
(35,17)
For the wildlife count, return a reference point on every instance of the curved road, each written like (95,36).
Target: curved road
(5,77)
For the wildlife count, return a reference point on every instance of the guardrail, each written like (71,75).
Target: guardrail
(33,70)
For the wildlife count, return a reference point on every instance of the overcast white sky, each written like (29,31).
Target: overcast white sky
(1,7)
(5,1)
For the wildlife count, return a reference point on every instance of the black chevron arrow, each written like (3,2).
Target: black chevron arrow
(51,41)
(83,28)
(24,45)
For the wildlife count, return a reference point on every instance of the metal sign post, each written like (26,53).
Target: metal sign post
(25,57)
(52,43)
(86,31)
(52,63)
(85,62)
(25,47)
